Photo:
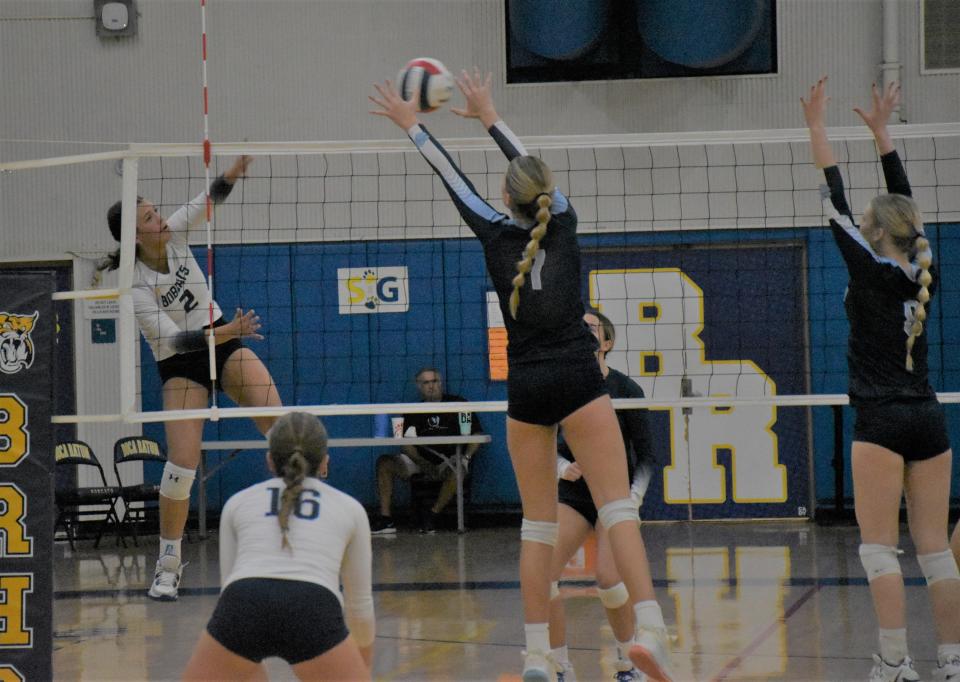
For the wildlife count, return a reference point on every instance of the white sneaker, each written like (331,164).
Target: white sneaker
(948,670)
(650,654)
(166,580)
(629,674)
(538,667)
(565,672)
(899,672)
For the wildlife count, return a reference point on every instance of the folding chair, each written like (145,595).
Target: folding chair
(133,450)
(75,502)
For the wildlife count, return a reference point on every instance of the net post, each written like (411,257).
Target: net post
(127,332)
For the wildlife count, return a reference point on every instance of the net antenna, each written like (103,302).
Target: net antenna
(211,338)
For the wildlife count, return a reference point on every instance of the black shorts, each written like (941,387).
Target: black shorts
(548,391)
(295,620)
(576,495)
(914,429)
(195,365)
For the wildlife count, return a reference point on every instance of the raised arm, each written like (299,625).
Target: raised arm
(814,111)
(474,210)
(883,105)
(189,215)
(479,105)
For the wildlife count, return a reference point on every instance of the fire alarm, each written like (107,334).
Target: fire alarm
(115,17)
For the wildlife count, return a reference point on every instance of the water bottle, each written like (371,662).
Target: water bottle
(381,426)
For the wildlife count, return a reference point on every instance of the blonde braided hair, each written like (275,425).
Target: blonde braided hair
(900,216)
(528,183)
(294,471)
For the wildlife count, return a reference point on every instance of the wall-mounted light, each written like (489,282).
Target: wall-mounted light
(115,18)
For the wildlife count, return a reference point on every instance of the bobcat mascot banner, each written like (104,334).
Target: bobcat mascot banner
(27,331)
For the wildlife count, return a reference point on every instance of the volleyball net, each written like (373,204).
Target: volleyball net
(707,251)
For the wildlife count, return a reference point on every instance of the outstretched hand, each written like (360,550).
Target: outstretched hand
(393,106)
(238,169)
(883,105)
(815,106)
(476,91)
(245,325)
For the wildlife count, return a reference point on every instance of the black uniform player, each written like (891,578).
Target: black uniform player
(577,516)
(533,259)
(900,440)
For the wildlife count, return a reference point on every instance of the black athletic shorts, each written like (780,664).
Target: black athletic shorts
(293,619)
(195,365)
(576,495)
(548,391)
(914,429)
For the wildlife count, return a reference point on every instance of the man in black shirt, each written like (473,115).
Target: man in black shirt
(430,461)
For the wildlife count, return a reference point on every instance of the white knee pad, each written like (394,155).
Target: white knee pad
(544,532)
(613,597)
(938,566)
(618,511)
(176,481)
(554,589)
(879,560)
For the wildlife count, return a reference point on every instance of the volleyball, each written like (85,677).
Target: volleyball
(427,80)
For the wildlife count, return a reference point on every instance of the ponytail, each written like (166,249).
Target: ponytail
(298,446)
(924,279)
(543,203)
(294,471)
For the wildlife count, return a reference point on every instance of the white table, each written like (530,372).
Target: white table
(236,446)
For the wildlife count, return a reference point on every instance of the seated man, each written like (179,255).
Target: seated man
(425,460)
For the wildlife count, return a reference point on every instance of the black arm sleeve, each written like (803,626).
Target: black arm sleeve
(220,189)
(187,342)
(636,431)
(501,134)
(895,174)
(835,183)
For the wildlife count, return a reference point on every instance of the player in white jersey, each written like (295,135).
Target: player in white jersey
(286,545)
(172,304)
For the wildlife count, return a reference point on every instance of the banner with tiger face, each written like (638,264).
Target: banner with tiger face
(16,346)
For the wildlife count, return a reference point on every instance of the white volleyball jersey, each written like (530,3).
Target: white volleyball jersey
(177,300)
(329,540)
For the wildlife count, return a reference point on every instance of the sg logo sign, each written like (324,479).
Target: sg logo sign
(372,290)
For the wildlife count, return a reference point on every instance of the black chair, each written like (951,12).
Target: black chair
(425,490)
(74,502)
(131,451)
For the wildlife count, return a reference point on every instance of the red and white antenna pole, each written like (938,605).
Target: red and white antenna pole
(211,341)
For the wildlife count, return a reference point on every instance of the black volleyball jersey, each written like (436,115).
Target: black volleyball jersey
(634,424)
(549,320)
(880,302)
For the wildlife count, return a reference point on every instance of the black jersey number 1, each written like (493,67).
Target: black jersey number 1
(538,260)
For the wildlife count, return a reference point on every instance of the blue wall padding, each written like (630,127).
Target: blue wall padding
(318,356)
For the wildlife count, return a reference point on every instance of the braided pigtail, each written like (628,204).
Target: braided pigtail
(294,471)
(924,260)
(530,251)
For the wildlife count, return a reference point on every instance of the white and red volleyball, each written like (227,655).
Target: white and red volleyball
(427,81)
